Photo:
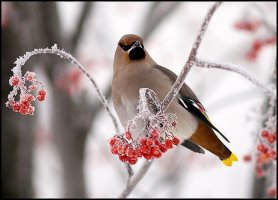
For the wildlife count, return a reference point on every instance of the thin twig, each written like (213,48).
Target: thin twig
(134,181)
(54,50)
(230,67)
(190,61)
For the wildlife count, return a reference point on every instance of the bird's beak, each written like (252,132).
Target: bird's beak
(137,51)
(137,44)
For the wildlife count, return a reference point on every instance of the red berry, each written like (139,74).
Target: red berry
(150,142)
(132,161)
(257,44)
(16,107)
(147,156)
(112,141)
(264,133)
(272,192)
(262,148)
(30,76)
(176,141)
(272,154)
(123,158)
(15,81)
(155,150)
(163,148)
(158,155)
(129,152)
(168,144)
(247,158)
(154,134)
(128,135)
(25,103)
(271,138)
(259,172)
(138,153)
(41,97)
(42,92)
(114,150)
(30,98)
(145,149)
(143,141)
(121,149)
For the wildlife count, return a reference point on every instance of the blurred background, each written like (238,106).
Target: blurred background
(63,150)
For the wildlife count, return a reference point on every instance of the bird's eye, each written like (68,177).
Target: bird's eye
(126,47)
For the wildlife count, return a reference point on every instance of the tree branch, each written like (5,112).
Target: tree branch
(230,67)
(54,50)
(156,14)
(85,12)
(190,61)
(134,181)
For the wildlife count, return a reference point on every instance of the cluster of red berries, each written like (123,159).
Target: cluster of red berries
(266,151)
(248,25)
(272,192)
(129,150)
(251,26)
(257,45)
(23,105)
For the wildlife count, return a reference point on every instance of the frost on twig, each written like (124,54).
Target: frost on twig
(190,61)
(270,91)
(55,50)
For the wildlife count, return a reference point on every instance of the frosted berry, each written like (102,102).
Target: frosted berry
(168,143)
(15,81)
(264,133)
(176,141)
(247,158)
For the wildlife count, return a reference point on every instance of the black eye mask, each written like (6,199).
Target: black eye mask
(126,47)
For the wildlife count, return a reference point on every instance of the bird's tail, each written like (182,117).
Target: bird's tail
(205,137)
(229,161)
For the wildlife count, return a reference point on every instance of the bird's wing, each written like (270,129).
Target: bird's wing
(192,146)
(189,100)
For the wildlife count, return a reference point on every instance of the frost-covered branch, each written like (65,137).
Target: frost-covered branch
(190,61)
(54,50)
(134,181)
(233,68)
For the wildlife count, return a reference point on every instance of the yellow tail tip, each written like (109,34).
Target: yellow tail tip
(233,157)
(229,161)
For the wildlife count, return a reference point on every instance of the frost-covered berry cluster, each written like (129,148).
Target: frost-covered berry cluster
(154,139)
(23,87)
(130,150)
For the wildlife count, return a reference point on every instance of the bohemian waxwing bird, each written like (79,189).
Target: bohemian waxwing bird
(135,69)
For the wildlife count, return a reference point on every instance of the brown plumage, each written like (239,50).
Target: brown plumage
(135,69)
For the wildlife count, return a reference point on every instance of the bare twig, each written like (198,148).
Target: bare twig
(190,61)
(134,181)
(230,67)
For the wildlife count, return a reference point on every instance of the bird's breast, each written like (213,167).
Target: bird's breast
(125,94)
